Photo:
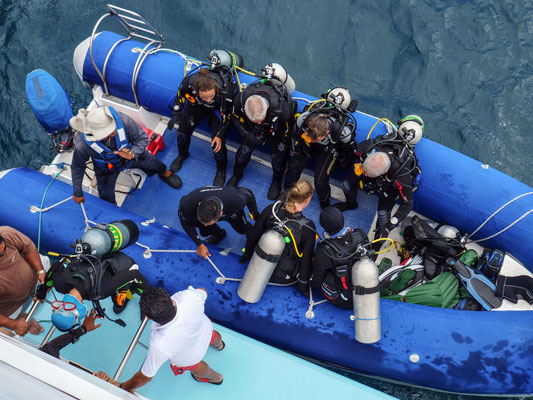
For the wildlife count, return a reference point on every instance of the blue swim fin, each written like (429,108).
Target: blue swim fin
(478,285)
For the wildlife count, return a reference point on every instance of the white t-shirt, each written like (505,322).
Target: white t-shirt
(184,340)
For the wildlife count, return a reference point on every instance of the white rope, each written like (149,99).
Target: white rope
(496,212)
(310,313)
(301,98)
(37,209)
(504,229)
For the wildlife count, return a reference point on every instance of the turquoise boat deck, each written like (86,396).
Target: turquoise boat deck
(251,369)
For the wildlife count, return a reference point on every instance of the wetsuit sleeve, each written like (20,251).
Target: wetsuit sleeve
(257,230)
(404,186)
(307,249)
(190,229)
(138,138)
(79,162)
(53,347)
(249,200)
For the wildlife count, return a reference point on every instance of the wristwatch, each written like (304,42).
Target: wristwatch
(41,272)
(394,221)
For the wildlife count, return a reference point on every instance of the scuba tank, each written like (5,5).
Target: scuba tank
(51,105)
(366,307)
(103,239)
(266,255)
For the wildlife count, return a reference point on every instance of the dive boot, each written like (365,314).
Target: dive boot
(234,180)
(274,190)
(121,302)
(347,205)
(177,163)
(220,178)
(215,239)
(173,180)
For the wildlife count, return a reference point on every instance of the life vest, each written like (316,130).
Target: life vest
(333,262)
(107,159)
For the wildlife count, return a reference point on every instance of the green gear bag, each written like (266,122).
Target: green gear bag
(442,291)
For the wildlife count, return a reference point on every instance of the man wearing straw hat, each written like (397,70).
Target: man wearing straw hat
(114,142)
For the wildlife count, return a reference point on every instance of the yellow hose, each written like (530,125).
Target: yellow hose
(382,239)
(294,242)
(377,122)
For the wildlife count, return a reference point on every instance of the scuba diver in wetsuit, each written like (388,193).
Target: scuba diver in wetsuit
(295,262)
(390,169)
(201,95)
(205,206)
(334,258)
(90,278)
(263,113)
(326,128)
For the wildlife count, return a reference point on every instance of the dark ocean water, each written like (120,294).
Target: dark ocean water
(464,66)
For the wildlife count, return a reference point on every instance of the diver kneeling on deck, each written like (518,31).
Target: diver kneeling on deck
(334,258)
(90,278)
(390,169)
(200,95)
(295,262)
(114,142)
(205,206)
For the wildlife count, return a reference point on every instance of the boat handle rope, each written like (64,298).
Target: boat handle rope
(496,212)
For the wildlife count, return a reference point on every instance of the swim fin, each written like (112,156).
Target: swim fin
(478,285)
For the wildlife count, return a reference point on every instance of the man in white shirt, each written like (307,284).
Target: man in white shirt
(180,333)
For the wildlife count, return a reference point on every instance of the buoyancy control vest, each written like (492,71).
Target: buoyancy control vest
(277,97)
(288,265)
(332,266)
(404,163)
(107,159)
(342,124)
(86,273)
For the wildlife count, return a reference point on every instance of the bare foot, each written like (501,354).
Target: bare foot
(35,327)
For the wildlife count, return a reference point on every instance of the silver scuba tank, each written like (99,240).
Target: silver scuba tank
(103,239)
(264,260)
(366,307)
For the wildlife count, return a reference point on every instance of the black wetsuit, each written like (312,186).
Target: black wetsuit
(195,110)
(54,346)
(95,278)
(290,267)
(233,202)
(274,129)
(338,145)
(332,267)
(396,183)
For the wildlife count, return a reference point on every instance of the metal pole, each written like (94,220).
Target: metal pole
(48,335)
(32,311)
(130,349)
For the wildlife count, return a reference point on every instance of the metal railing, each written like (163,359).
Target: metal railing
(136,27)
(131,348)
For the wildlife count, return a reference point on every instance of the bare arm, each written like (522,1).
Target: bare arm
(34,260)
(136,381)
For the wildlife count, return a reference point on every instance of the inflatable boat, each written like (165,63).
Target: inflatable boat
(473,352)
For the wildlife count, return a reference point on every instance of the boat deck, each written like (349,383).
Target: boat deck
(251,369)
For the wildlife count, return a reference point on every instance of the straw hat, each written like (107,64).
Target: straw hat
(96,124)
